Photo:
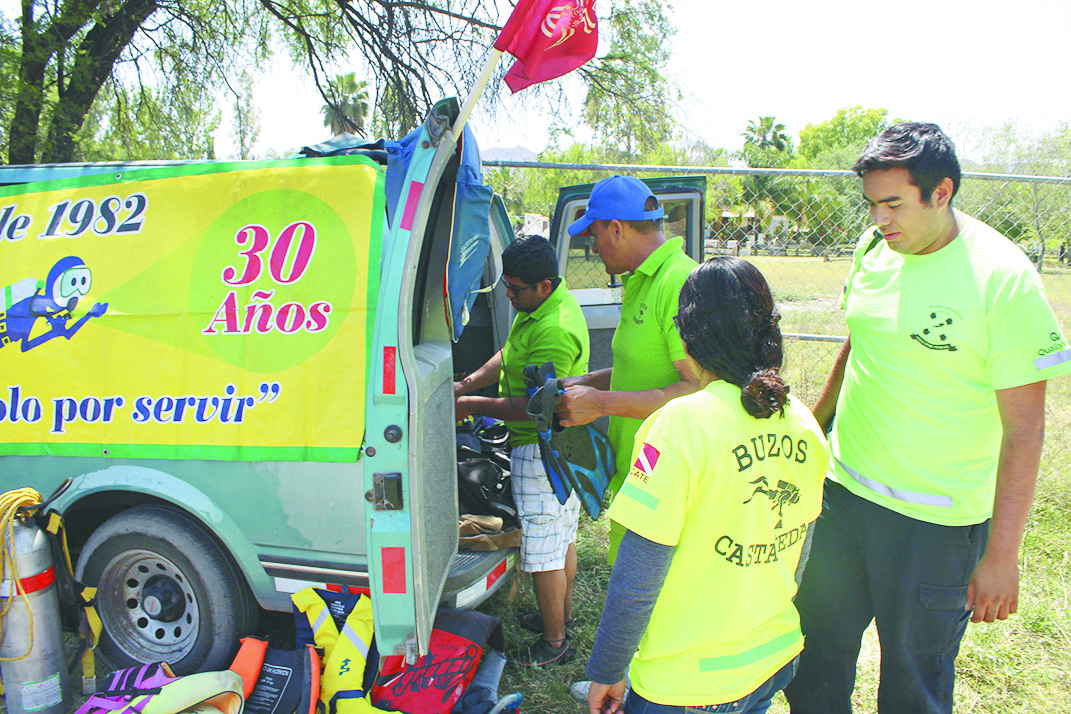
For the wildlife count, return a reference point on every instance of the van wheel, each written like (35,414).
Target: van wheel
(166,591)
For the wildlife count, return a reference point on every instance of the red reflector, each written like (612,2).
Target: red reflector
(497,573)
(348,589)
(389,386)
(29,584)
(393,570)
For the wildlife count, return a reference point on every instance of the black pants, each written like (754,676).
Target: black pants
(867,563)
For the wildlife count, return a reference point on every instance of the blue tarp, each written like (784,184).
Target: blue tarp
(470,229)
(470,236)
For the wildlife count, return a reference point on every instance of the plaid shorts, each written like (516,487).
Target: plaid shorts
(547,527)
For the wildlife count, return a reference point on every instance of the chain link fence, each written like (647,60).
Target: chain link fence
(800,228)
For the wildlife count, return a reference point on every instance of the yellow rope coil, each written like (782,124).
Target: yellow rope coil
(10,503)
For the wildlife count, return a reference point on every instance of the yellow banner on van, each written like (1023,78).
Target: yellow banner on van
(201,311)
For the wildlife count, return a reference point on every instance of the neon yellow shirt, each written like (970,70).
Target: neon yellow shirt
(933,336)
(646,343)
(554,332)
(735,495)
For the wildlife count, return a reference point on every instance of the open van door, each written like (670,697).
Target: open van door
(684,200)
(410,448)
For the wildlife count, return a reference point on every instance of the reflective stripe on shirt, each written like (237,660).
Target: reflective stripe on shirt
(922,499)
(1053,359)
(778,644)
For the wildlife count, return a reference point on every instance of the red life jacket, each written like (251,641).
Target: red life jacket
(435,683)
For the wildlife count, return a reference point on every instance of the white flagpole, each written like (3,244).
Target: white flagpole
(474,94)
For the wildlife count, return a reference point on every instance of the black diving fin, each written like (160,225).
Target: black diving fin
(543,416)
(576,458)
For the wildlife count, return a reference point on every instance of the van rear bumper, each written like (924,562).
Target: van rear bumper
(473,577)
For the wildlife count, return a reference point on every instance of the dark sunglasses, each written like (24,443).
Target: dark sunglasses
(518,289)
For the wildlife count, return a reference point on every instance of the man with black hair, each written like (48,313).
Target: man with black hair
(650,367)
(549,327)
(936,403)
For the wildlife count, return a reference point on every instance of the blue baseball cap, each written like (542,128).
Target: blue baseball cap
(619,198)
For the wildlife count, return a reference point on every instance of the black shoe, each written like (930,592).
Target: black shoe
(533,622)
(540,653)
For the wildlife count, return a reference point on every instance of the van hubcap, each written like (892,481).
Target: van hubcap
(148,606)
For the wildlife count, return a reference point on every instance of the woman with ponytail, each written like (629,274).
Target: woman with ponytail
(718,505)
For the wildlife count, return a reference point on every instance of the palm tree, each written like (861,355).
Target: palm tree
(766,133)
(347,105)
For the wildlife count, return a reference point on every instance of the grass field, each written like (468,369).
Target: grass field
(1020,665)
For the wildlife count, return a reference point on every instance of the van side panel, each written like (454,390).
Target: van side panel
(291,514)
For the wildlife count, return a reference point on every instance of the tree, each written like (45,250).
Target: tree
(139,123)
(766,133)
(628,100)
(9,58)
(416,52)
(69,51)
(831,207)
(838,142)
(766,145)
(1031,213)
(419,51)
(246,117)
(347,105)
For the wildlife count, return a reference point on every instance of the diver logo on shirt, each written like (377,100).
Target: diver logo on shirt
(645,462)
(638,317)
(785,494)
(938,329)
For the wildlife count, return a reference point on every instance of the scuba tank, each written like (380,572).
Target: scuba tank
(32,662)
(19,291)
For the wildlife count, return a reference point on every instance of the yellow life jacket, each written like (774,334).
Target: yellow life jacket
(345,652)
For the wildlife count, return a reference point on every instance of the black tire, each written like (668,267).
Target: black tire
(166,591)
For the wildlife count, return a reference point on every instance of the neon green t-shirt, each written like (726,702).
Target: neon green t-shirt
(933,336)
(554,332)
(646,343)
(734,495)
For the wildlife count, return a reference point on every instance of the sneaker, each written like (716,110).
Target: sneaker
(533,622)
(540,653)
(579,691)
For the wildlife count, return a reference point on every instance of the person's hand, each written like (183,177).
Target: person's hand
(579,405)
(568,382)
(993,592)
(459,388)
(462,408)
(606,698)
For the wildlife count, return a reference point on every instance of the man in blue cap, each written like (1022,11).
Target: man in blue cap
(624,220)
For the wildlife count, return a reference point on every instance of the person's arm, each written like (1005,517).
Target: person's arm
(485,375)
(599,379)
(993,592)
(582,405)
(826,406)
(635,583)
(489,373)
(505,408)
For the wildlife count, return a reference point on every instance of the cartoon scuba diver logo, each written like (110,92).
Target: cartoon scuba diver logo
(785,494)
(54,301)
(638,316)
(938,329)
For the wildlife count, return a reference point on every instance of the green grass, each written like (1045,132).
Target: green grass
(1019,665)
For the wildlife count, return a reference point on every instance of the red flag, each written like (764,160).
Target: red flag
(549,38)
